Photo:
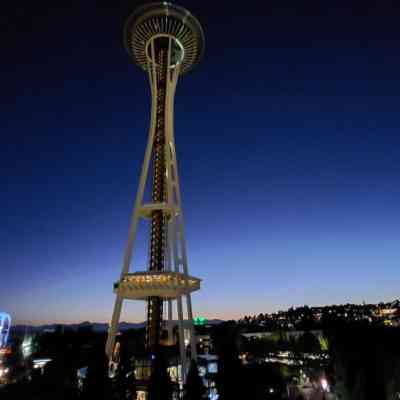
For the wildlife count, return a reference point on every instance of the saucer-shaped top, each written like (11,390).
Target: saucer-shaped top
(159,19)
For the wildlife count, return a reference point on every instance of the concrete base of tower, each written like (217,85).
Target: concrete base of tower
(166,284)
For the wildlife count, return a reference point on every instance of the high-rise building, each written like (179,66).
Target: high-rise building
(166,41)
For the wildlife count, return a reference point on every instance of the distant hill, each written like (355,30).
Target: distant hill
(95,326)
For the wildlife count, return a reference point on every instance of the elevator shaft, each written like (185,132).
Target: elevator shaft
(159,190)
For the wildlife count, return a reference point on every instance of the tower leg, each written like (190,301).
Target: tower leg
(180,237)
(133,226)
(113,327)
(182,347)
(193,340)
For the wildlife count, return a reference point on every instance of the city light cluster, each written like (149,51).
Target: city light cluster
(305,317)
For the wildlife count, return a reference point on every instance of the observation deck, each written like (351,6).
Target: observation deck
(164,284)
(167,20)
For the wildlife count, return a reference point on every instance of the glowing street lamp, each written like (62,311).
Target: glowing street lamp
(325,387)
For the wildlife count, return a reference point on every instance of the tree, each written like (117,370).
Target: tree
(124,385)
(307,321)
(58,379)
(366,362)
(194,388)
(229,381)
(160,382)
(260,379)
(97,383)
(308,343)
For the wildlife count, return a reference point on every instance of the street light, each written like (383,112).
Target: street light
(325,387)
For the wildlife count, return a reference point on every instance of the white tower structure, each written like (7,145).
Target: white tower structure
(166,41)
(5,326)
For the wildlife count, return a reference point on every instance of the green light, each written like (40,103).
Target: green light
(199,321)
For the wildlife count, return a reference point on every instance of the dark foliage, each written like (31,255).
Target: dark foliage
(124,384)
(160,383)
(366,362)
(97,384)
(307,343)
(263,381)
(194,388)
(230,383)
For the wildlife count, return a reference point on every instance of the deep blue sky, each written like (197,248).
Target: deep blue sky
(288,146)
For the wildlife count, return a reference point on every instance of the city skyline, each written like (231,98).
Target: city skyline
(302,151)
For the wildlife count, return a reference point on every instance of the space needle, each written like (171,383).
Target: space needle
(166,41)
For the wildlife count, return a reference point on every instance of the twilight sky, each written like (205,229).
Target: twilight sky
(288,147)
